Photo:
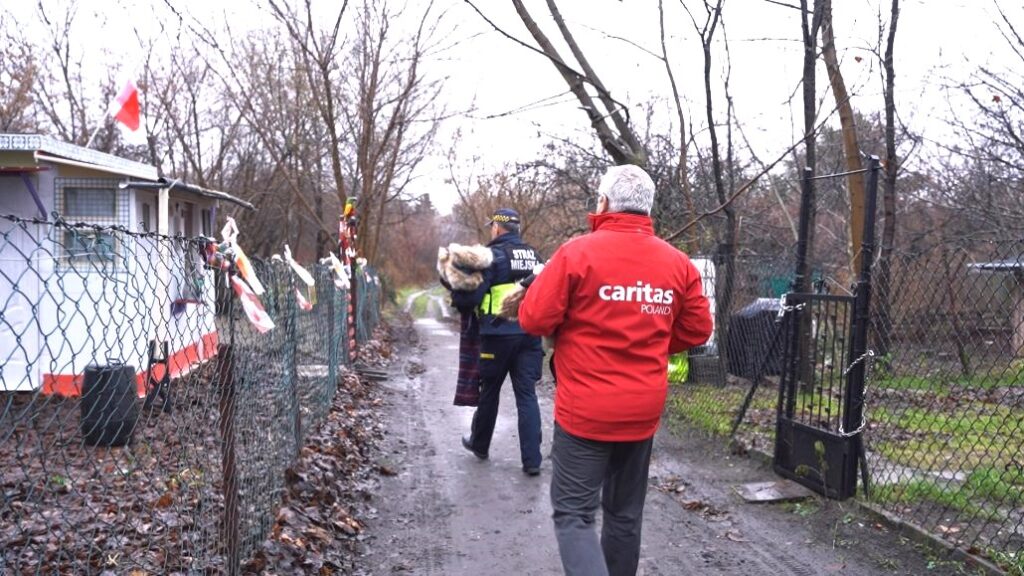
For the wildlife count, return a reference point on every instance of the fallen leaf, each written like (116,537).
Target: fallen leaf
(694,505)
(165,501)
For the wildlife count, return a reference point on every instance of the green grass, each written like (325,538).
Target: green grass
(947,496)
(936,439)
(420,306)
(1003,485)
(712,408)
(1001,488)
(1011,562)
(950,382)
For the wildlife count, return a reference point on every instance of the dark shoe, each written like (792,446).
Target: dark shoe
(532,470)
(469,446)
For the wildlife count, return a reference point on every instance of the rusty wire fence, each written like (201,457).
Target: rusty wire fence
(145,424)
(944,392)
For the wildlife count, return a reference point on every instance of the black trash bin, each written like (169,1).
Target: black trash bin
(751,331)
(109,408)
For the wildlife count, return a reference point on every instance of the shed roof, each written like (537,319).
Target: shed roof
(177,184)
(58,151)
(48,149)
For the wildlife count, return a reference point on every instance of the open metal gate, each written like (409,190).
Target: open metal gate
(820,404)
(820,410)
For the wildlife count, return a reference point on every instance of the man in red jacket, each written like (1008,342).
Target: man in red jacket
(617,301)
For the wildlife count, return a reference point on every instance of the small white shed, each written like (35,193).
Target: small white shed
(71,299)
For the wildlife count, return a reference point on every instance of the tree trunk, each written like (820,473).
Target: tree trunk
(620,146)
(883,323)
(809,28)
(682,172)
(726,253)
(851,148)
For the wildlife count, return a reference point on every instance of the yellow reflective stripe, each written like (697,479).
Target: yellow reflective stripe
(494,297)
(487,356)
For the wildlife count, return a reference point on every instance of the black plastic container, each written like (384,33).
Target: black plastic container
(751,331)
(110,407)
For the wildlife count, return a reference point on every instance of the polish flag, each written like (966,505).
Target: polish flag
(252,306)
(125,108)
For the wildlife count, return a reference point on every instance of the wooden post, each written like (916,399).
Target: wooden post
(231,520)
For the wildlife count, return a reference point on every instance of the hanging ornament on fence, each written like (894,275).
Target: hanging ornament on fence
(252,306)
(242,263)
(217,255)
(306,278)
(341,273)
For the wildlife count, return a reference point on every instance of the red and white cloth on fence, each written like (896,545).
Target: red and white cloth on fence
(251,305)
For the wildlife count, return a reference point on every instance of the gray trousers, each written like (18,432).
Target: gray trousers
(588,472)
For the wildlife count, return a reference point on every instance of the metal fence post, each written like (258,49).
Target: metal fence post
(226,385)
(332,339)
(347,336)
(853,402)
(802,282)
(291,369)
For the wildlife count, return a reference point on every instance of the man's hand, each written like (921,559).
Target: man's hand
(510,307)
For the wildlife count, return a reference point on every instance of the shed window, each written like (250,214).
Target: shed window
(90,203)
(97,202)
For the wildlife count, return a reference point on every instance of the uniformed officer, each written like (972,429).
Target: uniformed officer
(504,348)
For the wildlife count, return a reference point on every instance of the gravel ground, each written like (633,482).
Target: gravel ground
(435,509)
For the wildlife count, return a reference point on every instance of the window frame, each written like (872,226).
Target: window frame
(81,248)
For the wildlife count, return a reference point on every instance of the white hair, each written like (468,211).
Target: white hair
(628,189)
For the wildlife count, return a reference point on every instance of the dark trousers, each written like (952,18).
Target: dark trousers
(519,356)
(588,472)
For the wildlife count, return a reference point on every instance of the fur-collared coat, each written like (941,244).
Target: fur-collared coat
(460,266)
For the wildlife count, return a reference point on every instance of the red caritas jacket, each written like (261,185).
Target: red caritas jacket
(618,301)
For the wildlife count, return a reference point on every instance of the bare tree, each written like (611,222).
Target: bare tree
(851,146)
(682,175)
(618,139)
(394,114)
(725,257)
(60,91)
(18,76)
(883,325)
(319,51)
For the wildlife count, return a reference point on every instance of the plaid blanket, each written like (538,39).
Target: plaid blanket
(467,386)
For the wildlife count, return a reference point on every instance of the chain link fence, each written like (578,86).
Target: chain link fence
(145,425)
(746,342)
(945,400)
(945,388)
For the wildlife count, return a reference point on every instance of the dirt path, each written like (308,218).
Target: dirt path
(445,512)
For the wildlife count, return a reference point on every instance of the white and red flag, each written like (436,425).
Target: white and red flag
(125,108)
(252,306)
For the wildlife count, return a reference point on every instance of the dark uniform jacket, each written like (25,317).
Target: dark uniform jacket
(513,261)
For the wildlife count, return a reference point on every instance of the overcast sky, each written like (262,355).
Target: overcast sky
(518,102)
(936,39)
